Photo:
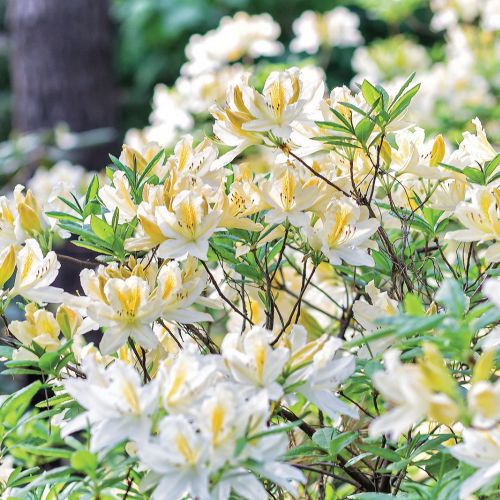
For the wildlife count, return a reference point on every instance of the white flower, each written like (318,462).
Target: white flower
(474,148)
(407,387)
(268,452)
(178,459)
(169,114)
(187,227)
(242,482)
(447,13)
(223,419)
(35,273)
(481,449)
(289,197)
(60,181)
(251,360)
(200,92)
(196,165)
(235,37)
(128,310)
(117,406)
(366,315)
(491,289)
(481,218)
(402,386)
(484,400)
(343,233)
(338,27)
(178,289)
(381,305)
(288,96)
(414,158)
(184,379)
(322,371)
(119,196)
(490,15)
(40,326)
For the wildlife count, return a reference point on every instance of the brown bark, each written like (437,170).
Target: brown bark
(61,66)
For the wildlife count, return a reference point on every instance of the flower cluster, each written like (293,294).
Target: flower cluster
(303,303)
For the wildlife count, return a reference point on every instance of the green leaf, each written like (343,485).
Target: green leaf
(6,351)
(363,129)
(413,305)
(451,167)
(342,119)
(354,108)
(386,453)
(474,175)
(301,451)
(128,173)
(92,190)
(71,205)
(373,496)
(403,88)
(403,102)
(491,166)
(102,229)
(370,93)
(84,461)
(382,261)
(338,443)
(322,437)
(64,216)
(248,271)
(16,404)
(452,297)
(337,127)
(48,361)
(151,164)
(94,248)
(45,451)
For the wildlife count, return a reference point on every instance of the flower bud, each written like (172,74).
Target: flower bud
(68,319)
(436,374)
(484,366)
(30,221)
(7,264)
(438,151)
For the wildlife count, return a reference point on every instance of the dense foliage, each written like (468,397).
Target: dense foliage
(290,292)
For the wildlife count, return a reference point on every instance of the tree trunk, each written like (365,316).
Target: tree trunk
(61,67)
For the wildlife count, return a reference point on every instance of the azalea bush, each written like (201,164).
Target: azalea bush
(299,299)
(321,328)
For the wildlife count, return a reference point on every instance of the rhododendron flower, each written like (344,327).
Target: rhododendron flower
(251,359)
(481,449)
(35,273)
(40,326)
(118,196)
(343,233)
(321,371)
(289,198)
(117,406)
(234,38)
(183,380)
(413,393)
(338,27)
(481,217)
(179,460)
(128,309)
(288,96)
(187,227)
